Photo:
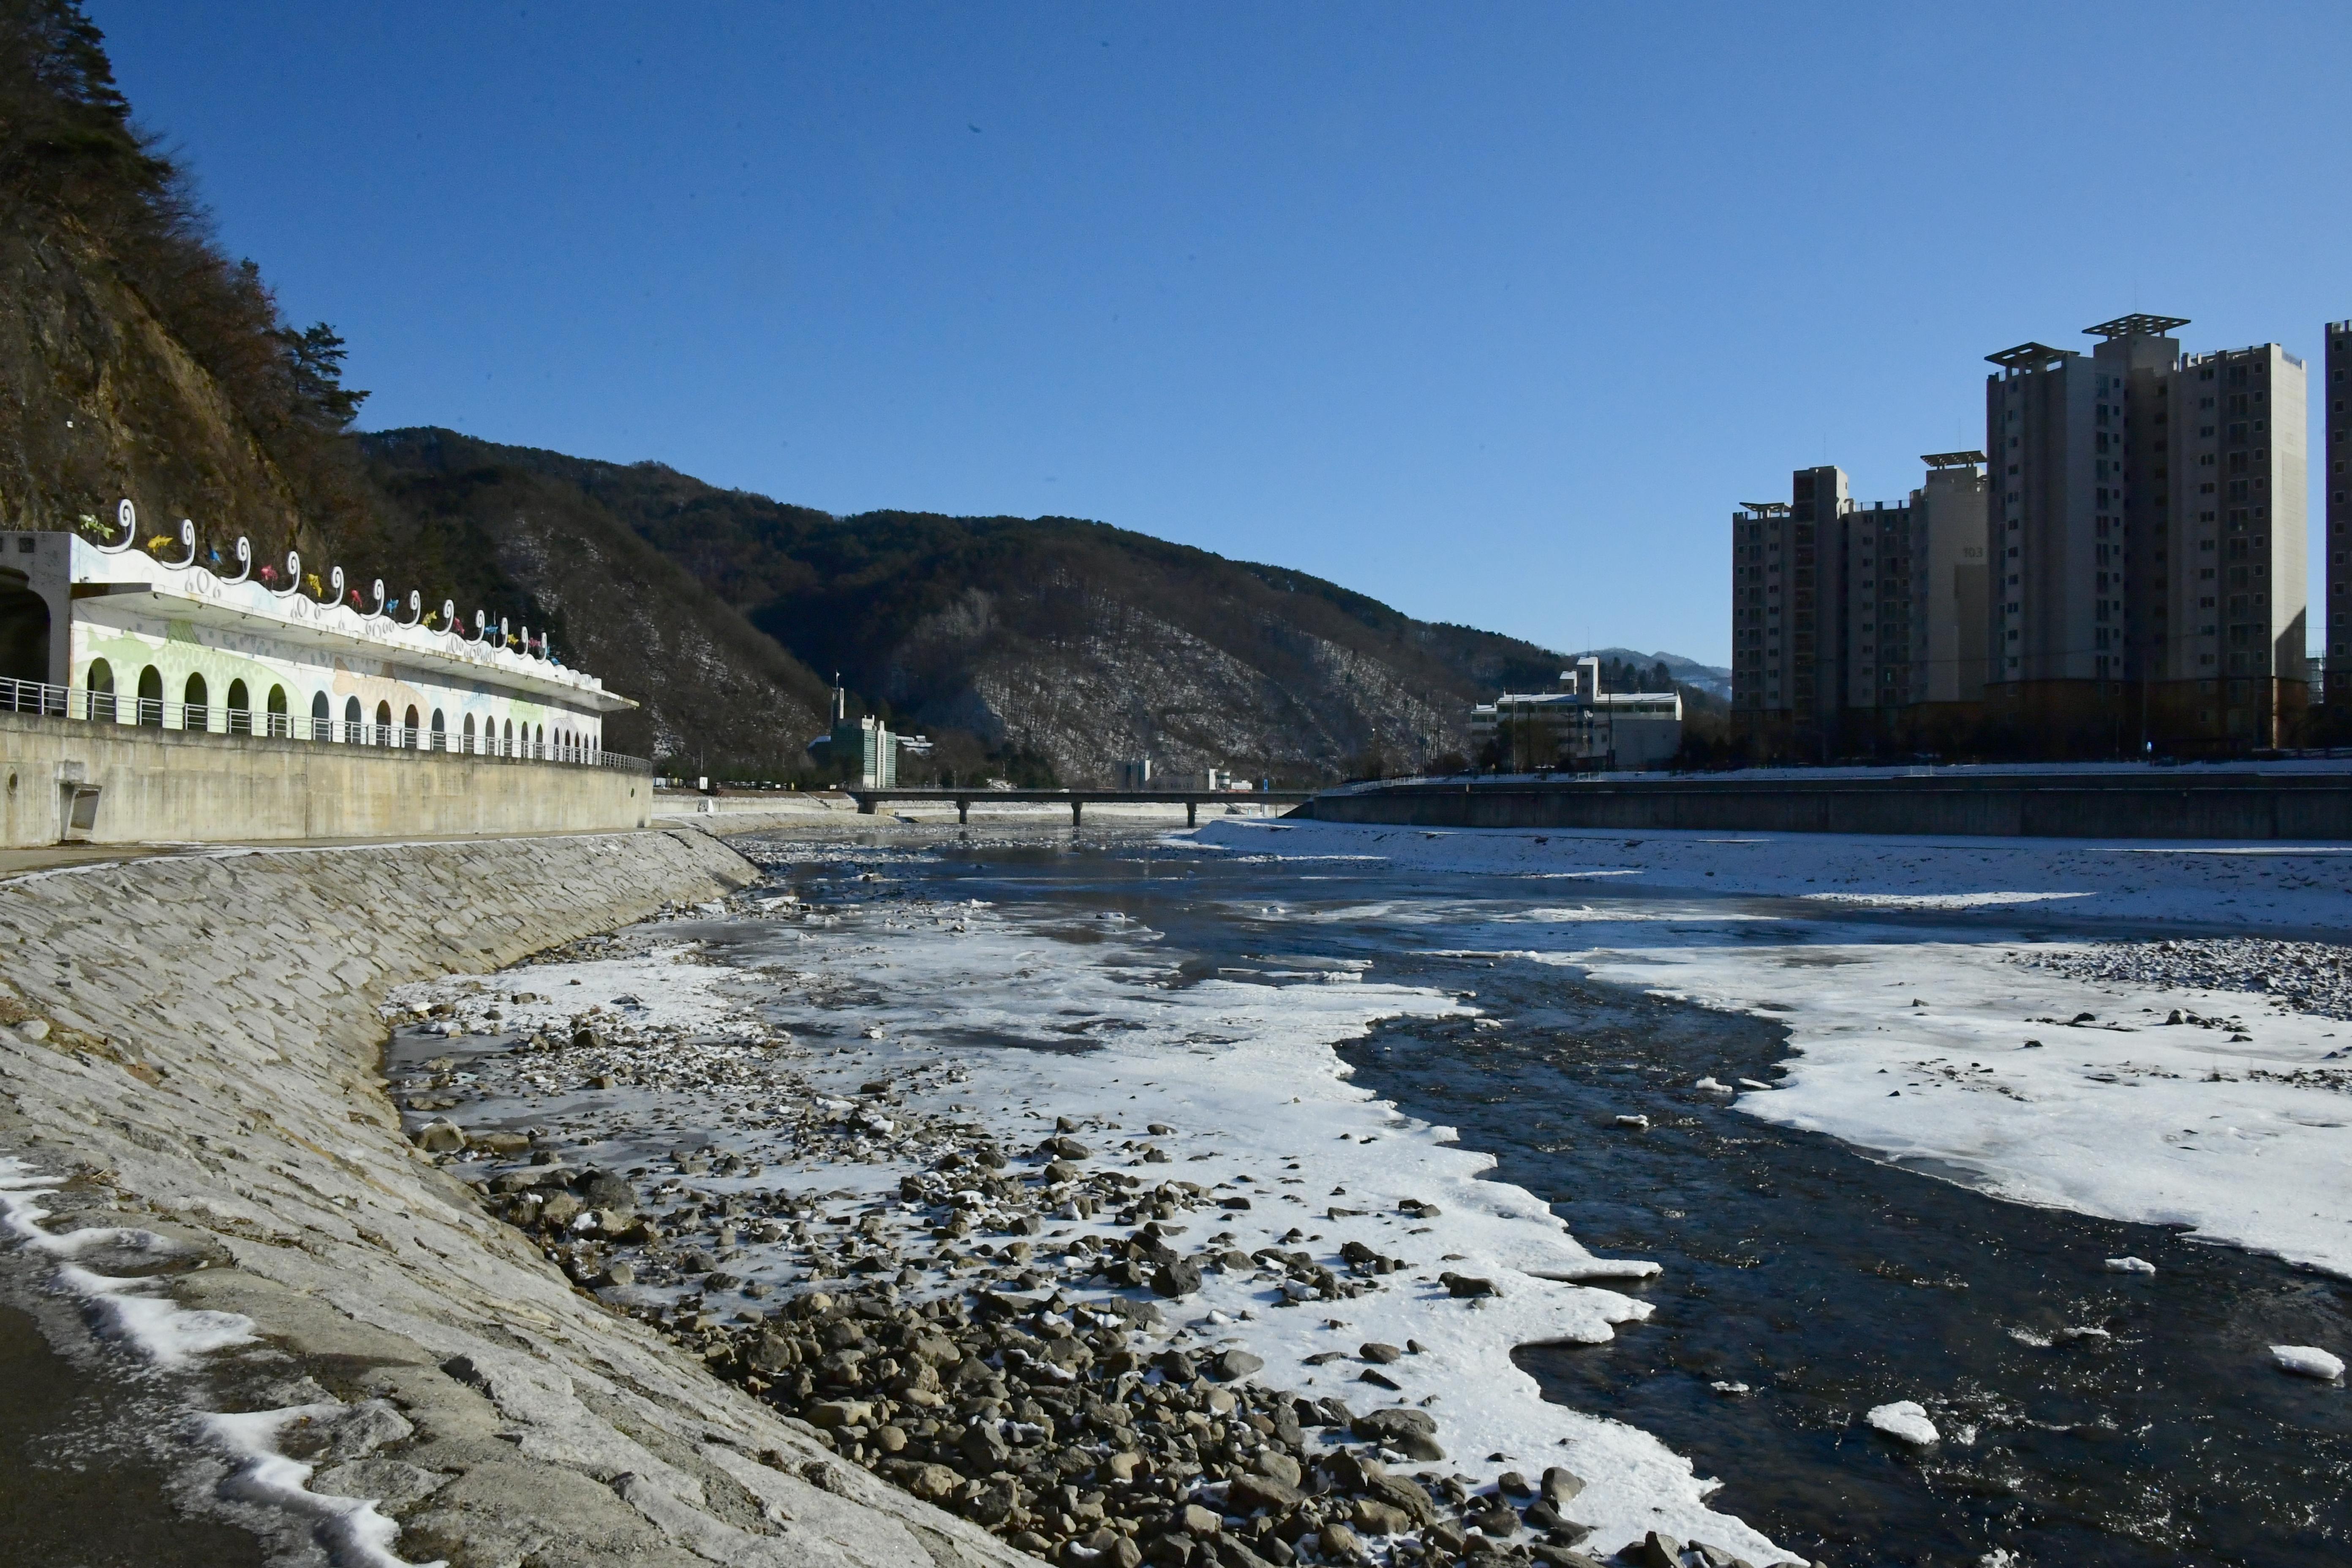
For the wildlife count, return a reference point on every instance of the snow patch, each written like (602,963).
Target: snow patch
(2308,1360)
(1906,1419)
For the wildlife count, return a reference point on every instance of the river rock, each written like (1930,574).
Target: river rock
(1227,1366)
(1246,1494)
(1180,1277)
(1341,1541)
(1198,1521)
(1655,1549)
(1278,1465)
(440,1137)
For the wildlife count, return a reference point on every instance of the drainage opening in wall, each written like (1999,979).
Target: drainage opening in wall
(79,810)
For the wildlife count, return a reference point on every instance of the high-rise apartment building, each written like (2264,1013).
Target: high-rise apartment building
(1878,610)
(2230,605)
(2147,537)
(1952,579)
(1848,620)
(1787,587)
(2334,616)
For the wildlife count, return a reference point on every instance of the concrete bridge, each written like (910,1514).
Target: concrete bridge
(1077,800)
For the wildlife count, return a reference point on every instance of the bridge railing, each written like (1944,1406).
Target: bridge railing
(47,700)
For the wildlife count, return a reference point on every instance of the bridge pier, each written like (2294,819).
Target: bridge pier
(963,811)
(865,805)
(1191,812)
(1076,807)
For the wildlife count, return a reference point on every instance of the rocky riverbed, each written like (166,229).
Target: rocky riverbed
(1054,1319)
(2313,977)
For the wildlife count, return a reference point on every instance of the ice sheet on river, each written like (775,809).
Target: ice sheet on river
(1955,1049)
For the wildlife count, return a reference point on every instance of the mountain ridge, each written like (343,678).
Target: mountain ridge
(1056,647)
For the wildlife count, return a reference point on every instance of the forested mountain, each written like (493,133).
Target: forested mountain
(1042,647)
(138,360)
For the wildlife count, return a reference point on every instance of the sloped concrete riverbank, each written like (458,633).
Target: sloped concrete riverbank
(197,1151)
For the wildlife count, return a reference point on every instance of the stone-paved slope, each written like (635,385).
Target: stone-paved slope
(193,1041)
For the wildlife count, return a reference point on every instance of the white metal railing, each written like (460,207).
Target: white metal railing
(43,698)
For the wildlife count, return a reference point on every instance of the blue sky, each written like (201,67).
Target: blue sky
(1492,311)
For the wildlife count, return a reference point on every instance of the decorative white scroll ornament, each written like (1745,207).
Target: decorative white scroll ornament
(415,608)
(379,610)
(449,618)
(293,576)
(334,587)
(128,516)
(188,539)
(243,560)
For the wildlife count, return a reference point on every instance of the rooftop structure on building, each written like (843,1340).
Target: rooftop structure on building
(103,629)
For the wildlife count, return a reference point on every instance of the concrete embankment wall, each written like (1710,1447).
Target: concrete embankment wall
(2190,804)
(209,1071)
(189,787)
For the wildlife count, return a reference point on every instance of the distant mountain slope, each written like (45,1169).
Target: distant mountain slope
(1061,642)
(1709,677)
(716,694)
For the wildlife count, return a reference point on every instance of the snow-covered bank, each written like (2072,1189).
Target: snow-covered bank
(2051,1073)
(775,1092)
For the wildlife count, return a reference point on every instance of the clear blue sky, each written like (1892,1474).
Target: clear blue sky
(1492,312)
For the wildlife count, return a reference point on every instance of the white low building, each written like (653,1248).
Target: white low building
(109,632)
(1580,726)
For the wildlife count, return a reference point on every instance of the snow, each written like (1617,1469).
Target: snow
(2306,1361)
(350,1529)
(2234,1125)
(165,1333)
(1906,1419)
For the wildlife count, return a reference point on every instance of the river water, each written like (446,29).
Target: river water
(2090,1417)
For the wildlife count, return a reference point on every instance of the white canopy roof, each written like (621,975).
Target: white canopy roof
(194,594)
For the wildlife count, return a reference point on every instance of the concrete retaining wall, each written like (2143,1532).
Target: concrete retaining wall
(183,787)
(206,1068)
(2190,804)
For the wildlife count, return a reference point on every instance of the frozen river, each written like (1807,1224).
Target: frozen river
(1492,1035)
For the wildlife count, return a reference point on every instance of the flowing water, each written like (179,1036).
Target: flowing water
(2090,1417)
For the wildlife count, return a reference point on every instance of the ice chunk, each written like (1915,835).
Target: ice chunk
(2130,1265)
(2308,1360)
(1905,1419)
(1712,1087)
